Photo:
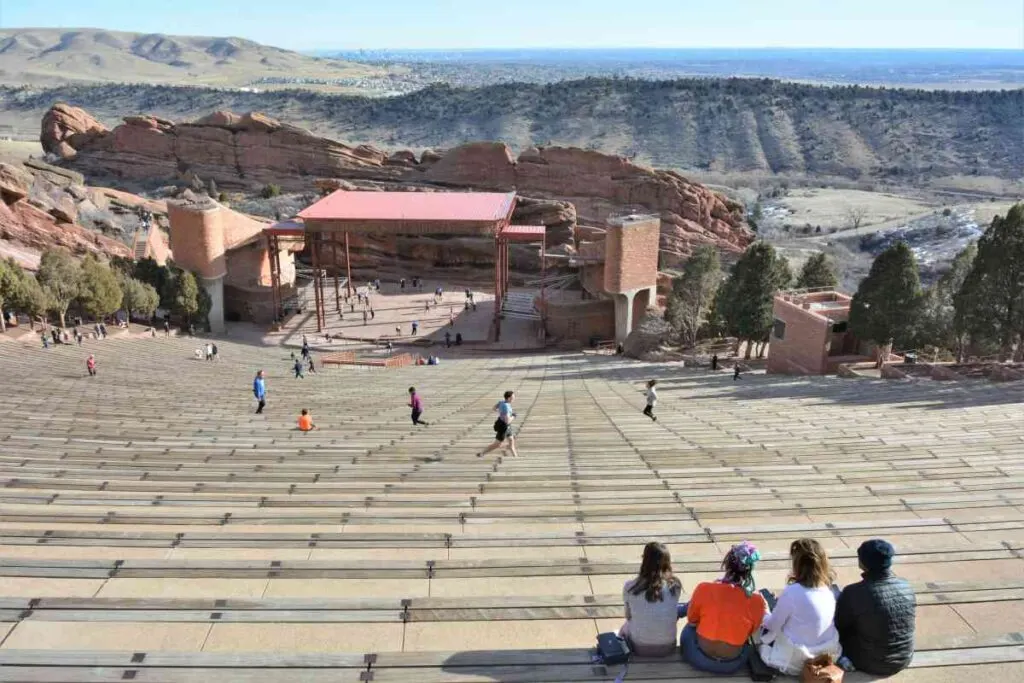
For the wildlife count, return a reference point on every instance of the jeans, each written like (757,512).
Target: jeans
(695,657)
(416,417)
(259,408)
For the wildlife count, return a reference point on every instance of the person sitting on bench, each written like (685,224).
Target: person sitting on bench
(306,422)
(800,625)
(723,615)
(652,605)
(876,616)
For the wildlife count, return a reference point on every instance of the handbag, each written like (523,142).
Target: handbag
(759,671)
(612,649)
(821,669)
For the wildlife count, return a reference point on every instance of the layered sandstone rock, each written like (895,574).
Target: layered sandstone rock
(67,128)
(233,150)
(253,150)
(39,210)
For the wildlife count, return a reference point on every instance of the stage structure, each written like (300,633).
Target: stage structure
(326,225)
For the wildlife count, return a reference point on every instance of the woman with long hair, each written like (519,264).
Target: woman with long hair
(652,605)
(724,614)
(800,627)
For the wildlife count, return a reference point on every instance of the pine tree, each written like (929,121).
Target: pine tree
(819,271)
(747,299)
(990,303)
(186,295)
(940,324)
(693,293)
(60,277)
(99,293)
(886,308)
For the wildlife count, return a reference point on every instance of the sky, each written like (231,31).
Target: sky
(450,24)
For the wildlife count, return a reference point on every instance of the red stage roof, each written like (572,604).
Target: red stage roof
(343,205)
(524,233)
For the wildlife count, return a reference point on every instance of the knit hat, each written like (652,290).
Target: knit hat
(876,555)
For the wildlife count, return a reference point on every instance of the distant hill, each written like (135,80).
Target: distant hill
(724,126)
(41,56)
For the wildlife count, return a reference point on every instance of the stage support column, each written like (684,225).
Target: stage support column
(334,263)
(314,248)
(348,266)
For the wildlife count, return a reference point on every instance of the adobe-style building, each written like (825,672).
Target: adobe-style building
(810,334)
(230,257)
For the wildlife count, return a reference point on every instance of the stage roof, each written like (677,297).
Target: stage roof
(523,233)
(451,207)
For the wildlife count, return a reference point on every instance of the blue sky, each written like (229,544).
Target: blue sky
(419,24)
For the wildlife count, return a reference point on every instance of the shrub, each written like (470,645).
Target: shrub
(269,191)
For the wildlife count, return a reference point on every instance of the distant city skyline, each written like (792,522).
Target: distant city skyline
(473,24)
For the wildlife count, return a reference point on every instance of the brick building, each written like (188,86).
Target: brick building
(619,277)
(227,252)
(810,334)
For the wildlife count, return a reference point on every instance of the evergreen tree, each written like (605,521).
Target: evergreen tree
(818,271)
(100,294)
(693,293)
(940,325)
(990,303)
(32,300)
(10,288)
(60,277)
(886,308)
(139,297)
(747,299)
(186,295)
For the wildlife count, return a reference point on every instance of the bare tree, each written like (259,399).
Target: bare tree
(855,215)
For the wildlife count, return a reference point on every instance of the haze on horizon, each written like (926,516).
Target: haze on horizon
(470,24)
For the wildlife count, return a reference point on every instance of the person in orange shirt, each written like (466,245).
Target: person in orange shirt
(722,616)
(306,422)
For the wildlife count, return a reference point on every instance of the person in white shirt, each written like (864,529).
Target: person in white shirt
(652,605)
(652,399)
(801,626)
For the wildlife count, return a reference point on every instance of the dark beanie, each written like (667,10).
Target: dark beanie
(876,555)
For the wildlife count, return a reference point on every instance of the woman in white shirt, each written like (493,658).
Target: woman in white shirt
(800,626)
(652,605)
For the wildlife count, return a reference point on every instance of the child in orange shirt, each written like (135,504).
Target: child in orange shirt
(306,422)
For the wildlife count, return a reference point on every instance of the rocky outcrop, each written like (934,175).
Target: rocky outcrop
(648,335)
(602,186)
(248,150)
(253,150)
(37,213)
(66,129)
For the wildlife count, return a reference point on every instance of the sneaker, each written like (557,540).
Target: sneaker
(480,455)
(654,417)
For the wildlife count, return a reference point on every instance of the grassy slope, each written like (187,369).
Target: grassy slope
(52,56)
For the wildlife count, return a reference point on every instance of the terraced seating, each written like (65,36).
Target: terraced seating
(153,528)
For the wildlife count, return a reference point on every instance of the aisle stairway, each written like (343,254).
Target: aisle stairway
(154,529)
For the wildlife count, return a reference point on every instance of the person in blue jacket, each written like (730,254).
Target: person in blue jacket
(259,390)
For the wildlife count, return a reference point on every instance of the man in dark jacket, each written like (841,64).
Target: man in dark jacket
(875,617)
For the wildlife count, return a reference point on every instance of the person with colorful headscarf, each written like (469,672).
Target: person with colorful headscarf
(723,615)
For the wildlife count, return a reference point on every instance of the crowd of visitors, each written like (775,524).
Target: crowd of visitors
(867,626)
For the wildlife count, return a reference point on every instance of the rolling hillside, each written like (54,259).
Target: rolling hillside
(726,126)
(55,56)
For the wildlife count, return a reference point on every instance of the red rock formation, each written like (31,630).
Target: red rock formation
(602,186)
(67,128)
(37,214)
(253,150)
